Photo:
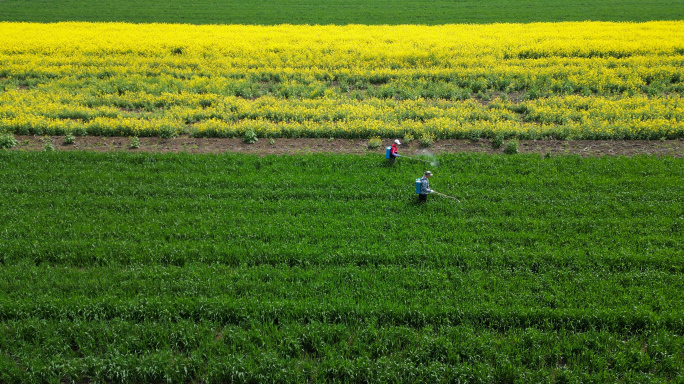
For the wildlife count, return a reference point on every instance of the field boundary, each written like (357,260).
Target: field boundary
(284,146)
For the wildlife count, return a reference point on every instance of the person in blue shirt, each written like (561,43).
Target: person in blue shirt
(424,187)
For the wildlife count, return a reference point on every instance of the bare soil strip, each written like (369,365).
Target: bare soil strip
(584,148)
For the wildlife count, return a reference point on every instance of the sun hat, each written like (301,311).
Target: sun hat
(397,141)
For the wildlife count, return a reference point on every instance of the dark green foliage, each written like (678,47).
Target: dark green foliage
(69,139)
(497,141)
(250,137)
(134,142)
(341,12)
(7,140)
(168,132)
(132,267)
(511,147)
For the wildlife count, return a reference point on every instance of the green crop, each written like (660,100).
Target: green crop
(270,12)
(131,267)
(7,141)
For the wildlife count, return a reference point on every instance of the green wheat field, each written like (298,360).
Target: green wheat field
(126,267)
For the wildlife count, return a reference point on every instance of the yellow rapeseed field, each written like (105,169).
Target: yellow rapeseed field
(568,80)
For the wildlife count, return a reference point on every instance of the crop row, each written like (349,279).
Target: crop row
(582,80)
(121,351)
(375,12)
(533,78)
(139,114)
(494,299)
(224,310)
(550,288)
(354,46)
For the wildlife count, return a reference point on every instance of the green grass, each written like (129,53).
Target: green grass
(127,267)
(269,12)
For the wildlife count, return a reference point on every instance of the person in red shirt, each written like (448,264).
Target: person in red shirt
(393,151)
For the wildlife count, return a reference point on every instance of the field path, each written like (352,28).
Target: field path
(584,148)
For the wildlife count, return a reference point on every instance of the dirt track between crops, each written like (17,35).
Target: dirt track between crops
(585,148)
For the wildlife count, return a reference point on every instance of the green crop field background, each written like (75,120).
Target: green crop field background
(183,268)
(269,12)
(123,267)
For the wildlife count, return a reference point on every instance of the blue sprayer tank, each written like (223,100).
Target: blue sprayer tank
(418,183)
(387,152)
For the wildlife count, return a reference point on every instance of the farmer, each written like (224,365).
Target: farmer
(424,187)
(393,152)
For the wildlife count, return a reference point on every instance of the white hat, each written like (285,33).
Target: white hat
(428,173)
(397,141)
